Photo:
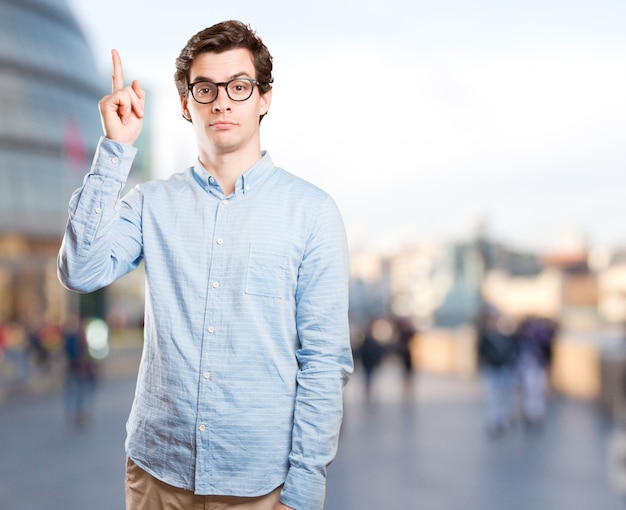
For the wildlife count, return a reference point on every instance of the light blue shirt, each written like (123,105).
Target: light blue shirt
(246,343)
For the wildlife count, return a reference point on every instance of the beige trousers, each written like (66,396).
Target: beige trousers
(144,492)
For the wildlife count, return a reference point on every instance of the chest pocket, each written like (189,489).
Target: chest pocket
(267,273)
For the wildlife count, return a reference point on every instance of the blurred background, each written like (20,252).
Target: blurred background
(476,151)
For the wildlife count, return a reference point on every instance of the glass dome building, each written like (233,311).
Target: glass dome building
(49,129)
(49,122)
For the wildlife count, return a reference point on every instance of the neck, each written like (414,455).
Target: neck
(228,167)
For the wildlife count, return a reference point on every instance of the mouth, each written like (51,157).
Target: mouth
(222,124)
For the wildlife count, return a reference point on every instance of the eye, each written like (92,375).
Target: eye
(240,86)
(204,89)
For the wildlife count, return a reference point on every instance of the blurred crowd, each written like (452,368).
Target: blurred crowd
(514,358)
(383,338)
(28,348)
(35,350)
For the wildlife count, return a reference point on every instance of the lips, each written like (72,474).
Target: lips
(222,124)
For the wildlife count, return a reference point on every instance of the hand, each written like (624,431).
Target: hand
(122,111)
(280,506)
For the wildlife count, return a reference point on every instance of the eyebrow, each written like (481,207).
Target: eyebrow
(233,77)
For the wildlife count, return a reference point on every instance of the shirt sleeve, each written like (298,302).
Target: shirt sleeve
(325,359)
(102,238)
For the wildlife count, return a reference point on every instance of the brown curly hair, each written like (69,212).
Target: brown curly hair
(224,36)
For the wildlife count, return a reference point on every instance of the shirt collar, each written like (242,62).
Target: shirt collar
(246,182)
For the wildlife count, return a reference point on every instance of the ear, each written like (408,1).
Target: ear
(185,110)
(264,104)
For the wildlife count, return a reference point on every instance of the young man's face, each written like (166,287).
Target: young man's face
(224,125)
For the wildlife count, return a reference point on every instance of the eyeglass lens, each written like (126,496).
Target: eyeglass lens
(237,90)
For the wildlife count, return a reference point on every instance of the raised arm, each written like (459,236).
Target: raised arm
(122,111)
(103,234)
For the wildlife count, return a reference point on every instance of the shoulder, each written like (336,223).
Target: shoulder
(289,179)
(301,190)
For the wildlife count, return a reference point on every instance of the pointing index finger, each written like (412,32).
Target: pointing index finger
(118,74)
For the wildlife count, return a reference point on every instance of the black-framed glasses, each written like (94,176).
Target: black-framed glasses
(239,89)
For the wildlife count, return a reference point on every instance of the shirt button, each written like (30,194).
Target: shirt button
(216,285)
(220,241)
(115,160)
(225,202)
(97,210)
(207,375)
(201,428)
(206,188)
(211,179)
(211,329)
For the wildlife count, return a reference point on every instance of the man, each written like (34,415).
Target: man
(246,344)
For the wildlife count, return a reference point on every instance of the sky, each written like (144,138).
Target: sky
(423,119)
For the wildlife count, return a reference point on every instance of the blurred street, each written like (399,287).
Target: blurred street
(433,453)
(427,452)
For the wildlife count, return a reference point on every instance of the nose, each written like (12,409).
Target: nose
(222,101)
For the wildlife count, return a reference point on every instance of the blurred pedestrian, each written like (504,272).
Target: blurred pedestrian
(80,373)
(406,335)
(4,335)
(38,353)
(17,352)
(371,354)
(536,336)
(498,352)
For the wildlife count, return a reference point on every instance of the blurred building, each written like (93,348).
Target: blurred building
(442,288)
(442,285)
(49,128)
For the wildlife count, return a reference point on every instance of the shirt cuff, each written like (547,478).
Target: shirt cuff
(113,159)
(304,490)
